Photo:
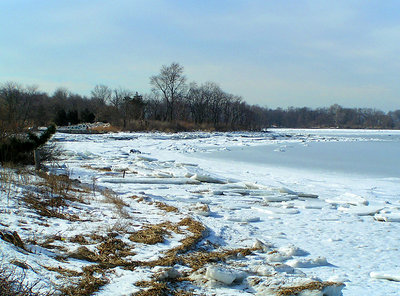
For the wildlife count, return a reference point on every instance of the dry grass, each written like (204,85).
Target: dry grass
(113,198)
(174,255)
(64,271)
(119,227)
(157,288)
(57,185)
(105,169)
(198,231)
(50,240)
(48,207)
(83,253)
(80,239)
(52,194)
(197,260)
(165,207)
(110,253)
(318,286)
(7,179)
(87,284)
(105,129)
(13,238)
(150,234)
(112,250)
(182,255)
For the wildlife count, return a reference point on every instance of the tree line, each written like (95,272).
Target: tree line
(173,102)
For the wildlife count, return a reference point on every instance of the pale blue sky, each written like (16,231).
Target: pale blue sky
(272,53)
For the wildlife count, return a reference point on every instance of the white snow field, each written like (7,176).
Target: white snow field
(315,206)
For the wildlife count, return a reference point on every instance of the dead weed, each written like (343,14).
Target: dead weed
(87,284)
(150,234)
(13,238)
(318,286)
(48,207)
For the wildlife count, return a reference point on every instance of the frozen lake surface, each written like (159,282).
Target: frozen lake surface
(370,158)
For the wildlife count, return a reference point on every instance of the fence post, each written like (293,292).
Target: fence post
(36,154)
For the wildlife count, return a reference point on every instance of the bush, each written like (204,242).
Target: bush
(18,148)
(13,284)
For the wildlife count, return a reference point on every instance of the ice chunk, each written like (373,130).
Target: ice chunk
(391,276)
(307,195)
(237,206)
(286,190)
(277,257)
(145,158)
(167,273)
(292,250)
(172,181)
(276,198)
(280,211)
(262,246)
(315,204)
(221,274)
(163,175)
(308,263)
(238,218)
(253,186)
(348,198)
(201,209)
(266,270)
(361,210)
(281,267)
(208,179)
(387,217)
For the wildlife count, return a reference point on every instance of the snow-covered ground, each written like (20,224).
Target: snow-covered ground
(338,222)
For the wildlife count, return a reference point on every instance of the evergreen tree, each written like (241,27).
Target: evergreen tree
(19,148)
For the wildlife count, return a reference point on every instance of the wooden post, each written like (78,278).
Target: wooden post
(37,159)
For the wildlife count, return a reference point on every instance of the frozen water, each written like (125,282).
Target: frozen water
(316,201)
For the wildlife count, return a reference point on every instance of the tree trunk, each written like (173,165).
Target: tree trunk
(37,159)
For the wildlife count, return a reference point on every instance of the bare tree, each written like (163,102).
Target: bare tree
(171,83)
(121,102)
(102,94)
(11,99)
(61,93)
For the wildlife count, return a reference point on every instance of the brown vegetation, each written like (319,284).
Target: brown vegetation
(87,284)
(318,286)
(150,235)
(13,238)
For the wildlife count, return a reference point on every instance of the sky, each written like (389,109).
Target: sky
(282,53)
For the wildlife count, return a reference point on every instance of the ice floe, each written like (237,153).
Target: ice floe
(390,276)
(307,262)
(223,275)
(348,198)
(387,217)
